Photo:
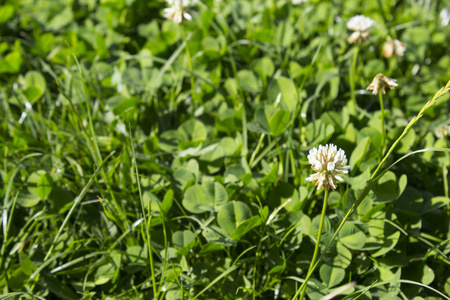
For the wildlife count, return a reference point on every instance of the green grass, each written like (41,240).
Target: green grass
(144,159)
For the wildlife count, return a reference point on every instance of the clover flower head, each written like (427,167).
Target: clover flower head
(442,131)
(392,48)
(177,11)
(328,162)
(360,25)
(296,2)
(381,82)
(445,17)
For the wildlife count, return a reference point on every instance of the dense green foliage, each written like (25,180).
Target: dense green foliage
(113,118)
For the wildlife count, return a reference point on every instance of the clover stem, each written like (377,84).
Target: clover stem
(191,68)
(444,175)
(383,130)
(316,249)
(353,105)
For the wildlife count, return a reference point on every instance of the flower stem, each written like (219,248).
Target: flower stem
(191,68)
(444,175)
(383,130)
(352,107)
(316,249)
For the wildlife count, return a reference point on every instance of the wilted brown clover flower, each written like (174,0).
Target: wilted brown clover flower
(381,82)
(392,48)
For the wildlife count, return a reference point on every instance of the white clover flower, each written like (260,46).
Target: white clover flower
(177,11)
(296,2)
(328,162)
(393,48)
(445,17)
(360,25)
(381,82)
(442,131)
(184,3)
